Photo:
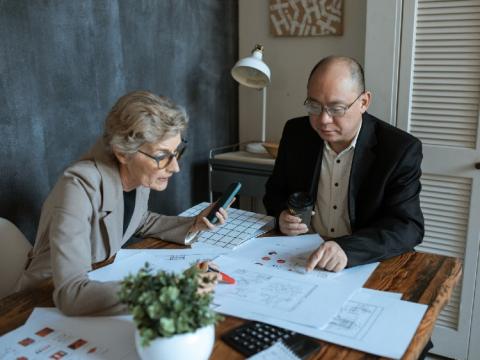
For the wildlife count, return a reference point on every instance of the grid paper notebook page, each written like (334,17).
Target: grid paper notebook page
(240,227)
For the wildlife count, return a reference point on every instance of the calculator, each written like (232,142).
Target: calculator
(254,336)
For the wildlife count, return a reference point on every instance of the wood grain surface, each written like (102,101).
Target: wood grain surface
(420,277)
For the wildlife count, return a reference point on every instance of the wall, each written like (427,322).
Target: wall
(384,23)
(64,63)
(290,60)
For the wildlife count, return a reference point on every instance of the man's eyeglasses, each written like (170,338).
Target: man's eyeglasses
(165,157)
(315,108)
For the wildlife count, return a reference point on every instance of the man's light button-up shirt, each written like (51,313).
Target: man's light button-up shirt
(331,217)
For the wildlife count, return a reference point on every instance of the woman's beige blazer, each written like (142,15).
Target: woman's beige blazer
(81,224)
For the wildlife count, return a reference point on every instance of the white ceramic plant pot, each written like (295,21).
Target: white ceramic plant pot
(191,346)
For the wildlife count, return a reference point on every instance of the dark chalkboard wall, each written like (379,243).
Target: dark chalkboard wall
(64,63)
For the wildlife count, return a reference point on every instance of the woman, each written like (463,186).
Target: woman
(102,200)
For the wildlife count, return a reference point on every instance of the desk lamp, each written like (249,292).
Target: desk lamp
(252,72)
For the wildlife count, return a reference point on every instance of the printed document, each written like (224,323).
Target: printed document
(289,296)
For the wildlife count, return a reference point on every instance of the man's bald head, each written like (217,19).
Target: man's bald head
(354,68)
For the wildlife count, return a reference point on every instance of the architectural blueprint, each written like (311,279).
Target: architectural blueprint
(365,324)
(354,319)
(284,253)
(372,321)
(267,290)
(286,295)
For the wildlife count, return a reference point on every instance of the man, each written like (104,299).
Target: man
(363,173)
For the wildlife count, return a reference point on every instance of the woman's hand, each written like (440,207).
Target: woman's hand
(207,280)
(201,222)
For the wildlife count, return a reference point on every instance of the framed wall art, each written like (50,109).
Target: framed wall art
(306,17)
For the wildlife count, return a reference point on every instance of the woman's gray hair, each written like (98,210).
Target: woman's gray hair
(141,117)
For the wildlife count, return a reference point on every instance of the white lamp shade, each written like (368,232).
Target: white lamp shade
(252,71)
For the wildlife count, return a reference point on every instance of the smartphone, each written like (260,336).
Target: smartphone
(224,200)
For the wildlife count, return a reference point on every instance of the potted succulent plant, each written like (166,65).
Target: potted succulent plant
(172,315)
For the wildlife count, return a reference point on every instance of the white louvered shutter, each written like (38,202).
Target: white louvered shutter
(446,81)
(439,95)
(445,202)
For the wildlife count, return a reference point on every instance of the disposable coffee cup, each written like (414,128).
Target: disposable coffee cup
(301,204)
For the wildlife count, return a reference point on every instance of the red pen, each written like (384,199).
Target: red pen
(225,277)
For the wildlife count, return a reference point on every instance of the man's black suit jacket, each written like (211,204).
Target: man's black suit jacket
(384,187)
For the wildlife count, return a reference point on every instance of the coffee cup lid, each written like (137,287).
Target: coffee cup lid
(300,199)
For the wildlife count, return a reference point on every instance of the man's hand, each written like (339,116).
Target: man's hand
(329,256)
(290,224)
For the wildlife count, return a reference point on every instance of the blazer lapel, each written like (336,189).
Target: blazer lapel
(112,197)
(363,159)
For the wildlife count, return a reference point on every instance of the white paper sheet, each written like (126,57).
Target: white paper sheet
(120,269)
(174,260)
(277,351)
(203,251)
(371,321)
(286,253)
(284,295)
(50,335)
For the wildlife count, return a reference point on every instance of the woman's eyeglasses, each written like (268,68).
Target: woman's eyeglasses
(165,157)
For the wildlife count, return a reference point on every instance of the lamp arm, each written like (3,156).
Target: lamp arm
(264,113)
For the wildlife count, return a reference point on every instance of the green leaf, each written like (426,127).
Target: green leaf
(164,304)
(167,326)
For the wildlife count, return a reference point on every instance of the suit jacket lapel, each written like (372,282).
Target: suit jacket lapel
(112,196)
(363,159)
(316,172)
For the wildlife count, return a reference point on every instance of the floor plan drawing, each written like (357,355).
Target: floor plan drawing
(284,294)
(285,254)
(270,291)
(354,319)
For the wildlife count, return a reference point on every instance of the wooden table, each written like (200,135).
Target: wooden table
(423,278)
